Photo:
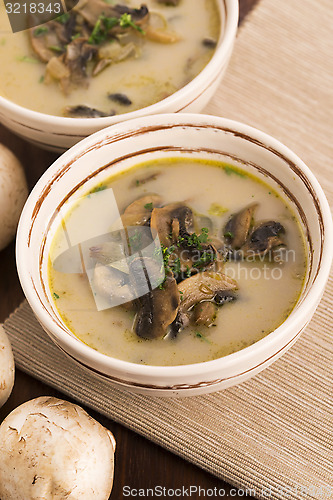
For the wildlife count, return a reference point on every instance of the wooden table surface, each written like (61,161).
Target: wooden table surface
(139,462)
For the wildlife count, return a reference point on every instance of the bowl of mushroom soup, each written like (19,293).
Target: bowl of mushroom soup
(101,63)
(175,254)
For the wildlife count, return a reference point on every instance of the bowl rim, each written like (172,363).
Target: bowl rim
(273,339)
(226,41)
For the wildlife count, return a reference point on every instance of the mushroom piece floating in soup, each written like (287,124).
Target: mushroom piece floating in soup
(176,261)
(106,58)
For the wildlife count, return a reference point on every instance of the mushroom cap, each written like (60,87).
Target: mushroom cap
(205,313)
(264,238)
(162,220)
(203,287)
(238,227)
(13,193)
(158,308)
(52,449)
(137,213)
(7,367)
(199,288)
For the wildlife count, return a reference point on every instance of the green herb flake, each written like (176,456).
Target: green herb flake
(109,22)
(56,48)
(149,206)
(217,210)
(64,18)
(200,336)
(104,24)
(205,258)
(97,189)
(98,33)
(74,37)
(229,234)
(126,22)
(41,79)
(231,170)
(203,237)
(40,31)
(166,253)
(194,240)
(56,296)
(176,266)
(3,41)
(27,59)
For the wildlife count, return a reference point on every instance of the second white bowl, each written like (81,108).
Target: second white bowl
(57,133)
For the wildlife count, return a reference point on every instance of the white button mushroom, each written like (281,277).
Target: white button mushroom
(13,193)
(7,370)
(52,449)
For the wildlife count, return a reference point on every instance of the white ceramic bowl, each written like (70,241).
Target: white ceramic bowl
(129,143)
(57,133)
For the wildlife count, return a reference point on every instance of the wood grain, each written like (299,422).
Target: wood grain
(139,462)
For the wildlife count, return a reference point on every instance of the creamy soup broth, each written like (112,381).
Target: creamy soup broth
(156,71)
(266,291)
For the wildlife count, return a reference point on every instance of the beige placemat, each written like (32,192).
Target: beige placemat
(272,434)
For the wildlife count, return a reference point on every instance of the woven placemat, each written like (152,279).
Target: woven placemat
(272,434)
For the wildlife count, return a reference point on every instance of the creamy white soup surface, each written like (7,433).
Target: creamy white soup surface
(112,60)
(233,253)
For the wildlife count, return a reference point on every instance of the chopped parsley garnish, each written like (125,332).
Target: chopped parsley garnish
(201,255)
(194,240)
(41,79)
(63,18)
(166,253)
(149,206)
(109,22)
(97,189)
(104,24)
(126,22)
(40,31)
(206,257)
(27,59)
(56,48)
(231,170)
(56,296)
(174,265)
(229,234)
(199,335)
(98,34)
